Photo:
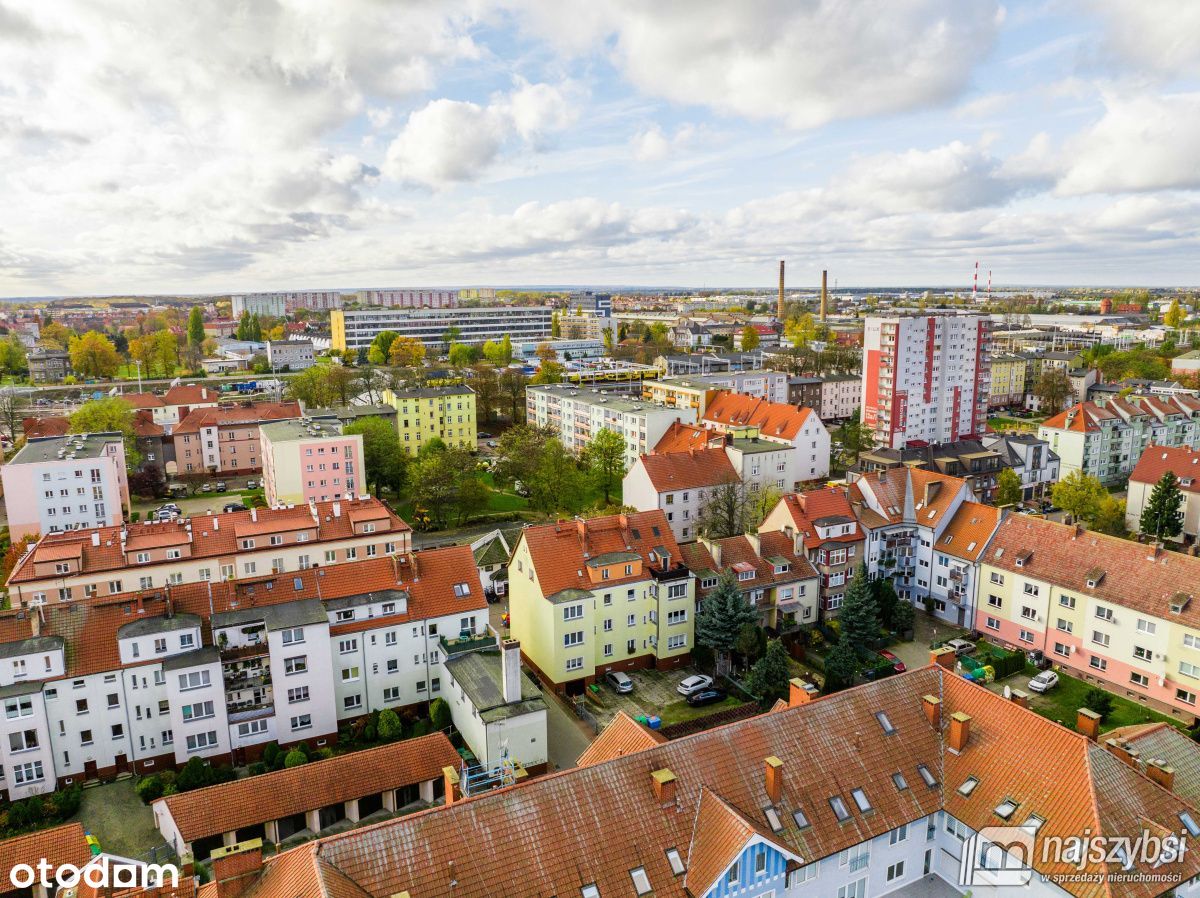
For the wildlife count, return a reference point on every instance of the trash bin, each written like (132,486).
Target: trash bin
(654,722)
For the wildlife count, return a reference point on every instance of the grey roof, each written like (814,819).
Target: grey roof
(27,687)
(42,449)
(276,617)
(753,445)
(342,412)
(479,674)
(159,624)
(570,594)
(367,598)
(301,429)
(31,646)
(434,392)
(613,558)
(206,655)
(1165,742)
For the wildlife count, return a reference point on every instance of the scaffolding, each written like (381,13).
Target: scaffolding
(476,778)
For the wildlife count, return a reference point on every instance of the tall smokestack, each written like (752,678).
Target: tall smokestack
(824,292)
(779,309)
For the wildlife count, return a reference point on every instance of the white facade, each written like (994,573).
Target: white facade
(925,378)
(840,396)
(354,329)
(294,355)
(277,305)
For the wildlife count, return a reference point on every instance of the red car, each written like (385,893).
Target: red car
(897,664)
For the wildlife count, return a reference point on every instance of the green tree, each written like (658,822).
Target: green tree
(195,327)
(549,372)
(555,325)
(1079,495)
(605,460)
(13,408)
(512,390)
(722,614)
(385,463)
(859,615)
(556,483)
(445,482)
(1162,516)
(841,664)
(750,338)
(12,355)
(390,726)
(886,601)
(439,714)
(1174,317)
(461,355)
(1008,487)
(1096,699)
(769,677)
(751,642)
(903,617)
(1109,517)
(377,353)
(244,327)
(194,775)
(405,352)
(109,415)
(855,438)
(486,384)
(1052,389)
(450,335)
(93,355)
(255,328)
(519,452)
(294,758)
(727,512)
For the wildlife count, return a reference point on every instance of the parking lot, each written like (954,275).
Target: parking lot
(653,693)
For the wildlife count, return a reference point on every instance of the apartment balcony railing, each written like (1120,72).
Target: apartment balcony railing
(466,642)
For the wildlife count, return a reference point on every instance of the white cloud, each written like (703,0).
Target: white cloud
(653,145)
(1141,143)
(1155,36)
(448,141)
(803,62)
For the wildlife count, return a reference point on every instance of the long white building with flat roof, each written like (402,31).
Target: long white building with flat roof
(354,329)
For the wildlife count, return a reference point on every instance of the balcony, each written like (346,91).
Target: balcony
(466,643)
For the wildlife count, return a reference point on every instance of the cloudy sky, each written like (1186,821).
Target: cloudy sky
(178,146)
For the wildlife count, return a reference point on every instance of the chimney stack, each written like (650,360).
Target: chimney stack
(1020,698)
(235,867)
(1087,722)
(1163,774)
(824,292)
(664,786)
(450,782)
(779,309)
(943,657)
(797,693)
(773,774)
(510,670)
(933,710)
(960,731)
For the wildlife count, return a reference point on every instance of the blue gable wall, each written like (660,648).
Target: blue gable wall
(749,884)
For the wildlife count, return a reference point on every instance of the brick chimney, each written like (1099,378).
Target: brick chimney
(960,731)
(234,868)
(773,775)
(797,694)
(1119,748)
(933,710)
(1161,772)
(943,657)
(1087,722)
(664,786)
(450,781)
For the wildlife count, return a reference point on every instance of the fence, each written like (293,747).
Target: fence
(708,721)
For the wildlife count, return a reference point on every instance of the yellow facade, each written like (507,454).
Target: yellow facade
(587,632)
(337,329)
(1008,379)
(447,413)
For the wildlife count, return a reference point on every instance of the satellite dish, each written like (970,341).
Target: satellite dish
(1007,692)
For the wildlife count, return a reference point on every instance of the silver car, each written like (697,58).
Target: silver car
(619,681)
(694,684)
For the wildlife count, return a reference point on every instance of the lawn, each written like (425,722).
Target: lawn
(678,712)
(1001,423)
(1062,703)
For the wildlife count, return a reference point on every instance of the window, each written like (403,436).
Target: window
(293,636)
(927,776)
(895,871)
(856,858)
(1189,670)
(186,640)
(1142,654)
(296,665)
(349,674)
(677,617)
(23,740)
(1182,695)
(641,882)
(1066,601)
(839,808)
(1104,613)
(194,680)
(344,615)
(861,800)
(391,694)
(30,772)
(856,889)
(1028,613)
(995,601)
(347,646)
(1025,635)
(1065,625)
(678,641)
(297,694)
(898,835)
(675,861)
(1147,627)
(1098,663)
(574,663)
(462,590)
(573,638)
(734,873)
(900,782)
(572,612)
(201,741)
(198,711)
(252,728)
(18,707)
(1031,590)
(992,623)
(1138,679)
(302,722)
(352,702)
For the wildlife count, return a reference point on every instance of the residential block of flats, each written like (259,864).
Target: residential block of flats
(577,415)
(799,428)
(226,439)
(354,329)
(304,460)
(1156,461)
(56,484)
(775,579)
(1115,612)
(880,790)
(695,390)
(1107,440)
(146,680)
(444,413)
(175,404)
(926,378)
(590,596)
(107,561)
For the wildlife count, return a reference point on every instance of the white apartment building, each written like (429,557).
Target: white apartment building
(354,329)
(577,415)
(291,355)
(409,299)
(840,396)
(65,483)
(127,683)
(278,305)
(746,418)
(926,378)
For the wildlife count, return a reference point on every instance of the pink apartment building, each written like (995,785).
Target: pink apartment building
(305,460)
(226,440)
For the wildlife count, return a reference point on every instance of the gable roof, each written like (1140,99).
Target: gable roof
(807,508)
(1084,417)
(66,844)
(256,413)
(52,426)
(1182,461)
(680,437)
(718,839)
(622,736)
(909,495)
(693,469)
(774,420)
(737,552)
(968,531)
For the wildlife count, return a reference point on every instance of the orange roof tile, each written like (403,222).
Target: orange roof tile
(967,533)
(258,412)
(281,793)
(680,437)
(621,737)
(143,400)
(693,469)
(718,839)
(1081,418)
(774,420)
(189,394)
(1182,461)
(808,508)
(34,428)
(61,845)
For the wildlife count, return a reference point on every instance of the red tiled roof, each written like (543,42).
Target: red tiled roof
(774,420)
(190,394)
(258,412)
(681,437)
(61,845)
(1081,418)
(143,400)
(737,553)
(693,469)
(809,507)
(718,839)
(45,427)
(144,426)
(213,535)
(909,495)
(281,793)
(969,530)
(1182,461)
(622,736)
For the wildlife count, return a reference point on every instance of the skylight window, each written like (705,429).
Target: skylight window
(675,861)
(773,819)
(1033,823)
(590,891)
(839,808)
(801,820)
(641,882)
(885,722)
(968,786)
(927,775)
(1189,823)
(1006,809)
(900,781)
(860,799)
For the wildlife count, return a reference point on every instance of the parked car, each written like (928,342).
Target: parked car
(706,697)
(619,681)
(206,488)
(483,435)
(170,508)
(251,484)
(491,444)
(221,486)
(896,662)
(520,489)
(233,506)
(1043,682)
(694,684)
(961,646)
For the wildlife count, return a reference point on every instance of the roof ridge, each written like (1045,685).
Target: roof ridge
(1094,805)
